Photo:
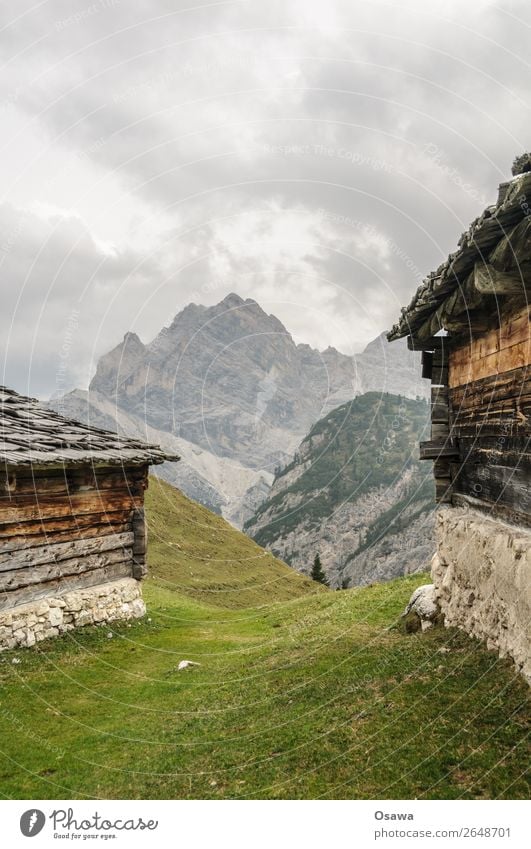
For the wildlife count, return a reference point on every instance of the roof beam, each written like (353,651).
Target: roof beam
(434,343)
(489,281)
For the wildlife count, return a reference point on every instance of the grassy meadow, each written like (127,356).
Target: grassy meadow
(300,693)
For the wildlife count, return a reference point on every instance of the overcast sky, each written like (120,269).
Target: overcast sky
(319,156)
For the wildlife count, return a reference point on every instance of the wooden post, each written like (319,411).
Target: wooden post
(140,543)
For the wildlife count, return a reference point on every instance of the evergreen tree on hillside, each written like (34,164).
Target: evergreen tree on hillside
(317,573)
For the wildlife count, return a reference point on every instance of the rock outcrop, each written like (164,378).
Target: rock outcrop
(423,605)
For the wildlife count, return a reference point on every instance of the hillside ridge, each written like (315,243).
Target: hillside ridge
(196,553)
(356,493)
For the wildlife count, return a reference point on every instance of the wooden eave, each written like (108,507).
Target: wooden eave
(485,267)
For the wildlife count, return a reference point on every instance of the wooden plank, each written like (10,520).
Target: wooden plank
(140,543)
(46,572)
(468,322)
(489,281)
(439,359)
(434,343)
(439,430)
(83,473)
(38,496)
(513,384)
(513,252)
(76,506)
(469,370)
(498,404)
(434,450)
(66,524)
(439,395)
(439,376)
(505,417)
(56,552)
(441,468)
(469,360)
(440,413)
(496,470)
(43,537)
(70,483)
(65,584)
(443,490)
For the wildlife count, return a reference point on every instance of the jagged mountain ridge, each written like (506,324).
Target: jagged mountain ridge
(355,493)
(231,379)
(230,382)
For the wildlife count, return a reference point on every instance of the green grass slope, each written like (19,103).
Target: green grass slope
(197,553)
(319,695)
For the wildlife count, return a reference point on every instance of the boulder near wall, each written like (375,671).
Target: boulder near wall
(482,576)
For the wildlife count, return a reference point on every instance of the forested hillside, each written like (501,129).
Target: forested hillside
(355,485)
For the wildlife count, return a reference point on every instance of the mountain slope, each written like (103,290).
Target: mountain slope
(355,493)
(198,554)
(230,379)
(231,384)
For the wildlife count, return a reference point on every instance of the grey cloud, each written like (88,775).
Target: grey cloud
(58,288)
(371,118)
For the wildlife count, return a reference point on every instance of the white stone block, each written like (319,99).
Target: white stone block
(55,616)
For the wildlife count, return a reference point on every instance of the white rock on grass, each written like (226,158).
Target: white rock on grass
(423,603)
(186,664)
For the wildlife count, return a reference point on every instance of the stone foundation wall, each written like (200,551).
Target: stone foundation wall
(26,624)
(482,576)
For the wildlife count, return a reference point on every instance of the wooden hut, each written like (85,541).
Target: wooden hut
(72,527)
(470,319)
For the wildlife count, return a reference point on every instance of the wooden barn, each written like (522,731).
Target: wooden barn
(72,527)
(470,319)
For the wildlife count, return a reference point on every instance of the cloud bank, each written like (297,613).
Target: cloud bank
(319,158)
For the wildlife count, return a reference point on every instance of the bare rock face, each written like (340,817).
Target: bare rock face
(403,553)
(356,494)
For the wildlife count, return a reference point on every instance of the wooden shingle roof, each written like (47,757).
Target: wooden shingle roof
(31,435)
(451,290)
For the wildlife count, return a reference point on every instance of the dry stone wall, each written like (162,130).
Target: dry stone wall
(482,575)
(26,624)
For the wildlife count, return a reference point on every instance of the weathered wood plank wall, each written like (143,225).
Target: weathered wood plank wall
(68,529)
(490,417)
(500,349)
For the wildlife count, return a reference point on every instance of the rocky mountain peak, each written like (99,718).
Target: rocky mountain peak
(131,341)
(230,378)
(232,301)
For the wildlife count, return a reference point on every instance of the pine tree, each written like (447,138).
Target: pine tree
(317,573)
